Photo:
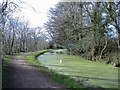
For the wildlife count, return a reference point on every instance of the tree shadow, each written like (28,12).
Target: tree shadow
(97,78)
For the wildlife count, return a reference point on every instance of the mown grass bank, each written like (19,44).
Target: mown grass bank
(91,73)
(5,61)
(59,78)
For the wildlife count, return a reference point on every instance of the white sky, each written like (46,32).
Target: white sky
(41,6)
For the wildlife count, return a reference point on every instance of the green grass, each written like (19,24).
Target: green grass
(60,78)
(91,72)
(31,58)
(7,58)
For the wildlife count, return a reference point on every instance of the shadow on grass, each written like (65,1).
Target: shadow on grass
(113,80)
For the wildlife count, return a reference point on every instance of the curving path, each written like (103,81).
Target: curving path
(25,75)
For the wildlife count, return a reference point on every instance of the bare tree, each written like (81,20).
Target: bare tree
(3,7)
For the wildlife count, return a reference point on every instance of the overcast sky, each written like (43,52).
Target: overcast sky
(38,16)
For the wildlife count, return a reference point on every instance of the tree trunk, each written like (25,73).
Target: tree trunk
(1,53)
(81,6)
(103,50)
(118,49)
(94,44)
(12,43)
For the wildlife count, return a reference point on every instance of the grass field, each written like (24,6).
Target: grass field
(93,73)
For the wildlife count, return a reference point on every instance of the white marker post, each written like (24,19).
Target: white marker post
(60,60)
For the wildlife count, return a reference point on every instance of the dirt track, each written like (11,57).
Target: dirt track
(25,75)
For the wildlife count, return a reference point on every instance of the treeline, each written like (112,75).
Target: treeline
(89,29)
(16,34)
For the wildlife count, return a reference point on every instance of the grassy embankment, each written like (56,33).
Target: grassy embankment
(7,58)
(90,72)
(60,78)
